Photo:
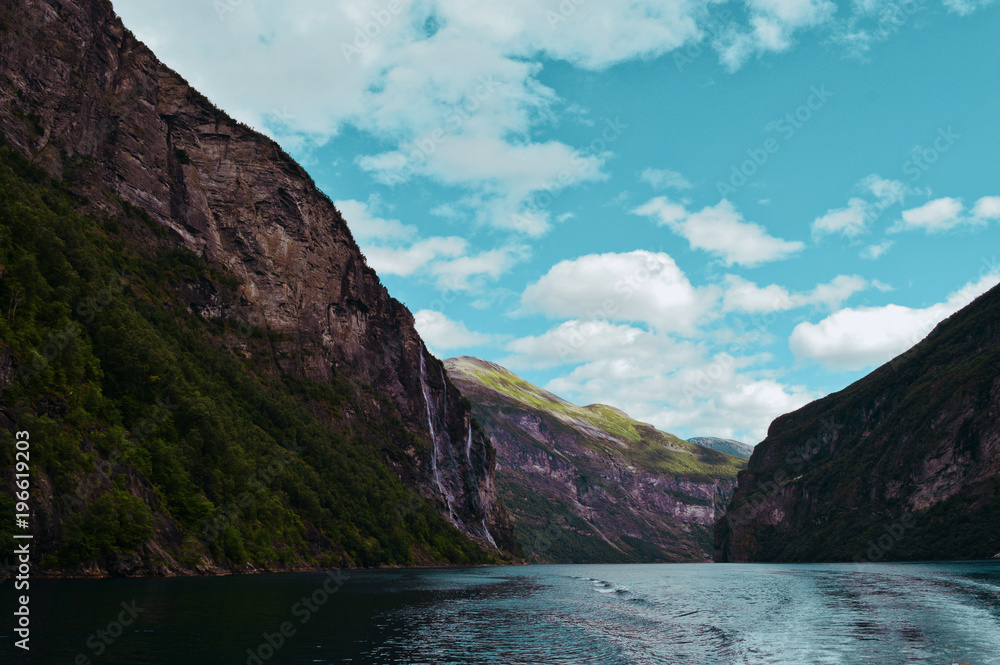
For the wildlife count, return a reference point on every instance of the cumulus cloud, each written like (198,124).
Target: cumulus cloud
(850,221)
(443,334)
(886,191)
(577,341)
(720,230)
(367,226)
(677,385)
(873,252)
(638,286)
(504,179)
(450,87)
(405,261)
(745,296)
(947,213)
(394,248)
(631,342)
(933,217)
(466,272)
(987,207)
(854,219)
(855,338)
(664,179)
(772,24)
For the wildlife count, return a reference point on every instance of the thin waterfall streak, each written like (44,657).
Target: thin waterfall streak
(468,446)
(489,536)
(435,470)
(430,422)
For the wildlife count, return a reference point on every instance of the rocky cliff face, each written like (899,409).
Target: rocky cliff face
(903,464)
(590,484)
(80,96)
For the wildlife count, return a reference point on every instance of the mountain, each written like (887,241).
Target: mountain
(211,374)
(903,464)
(728,446)
(590,484)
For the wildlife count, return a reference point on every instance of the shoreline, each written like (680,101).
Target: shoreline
(49,575)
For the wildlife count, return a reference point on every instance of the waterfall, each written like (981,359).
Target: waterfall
(435,471)
(489,536)
(468,446)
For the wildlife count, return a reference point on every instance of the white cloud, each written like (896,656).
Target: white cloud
(506,181)
(589,35)
(638,286)
(772,24)
(405,261)
(664,179)
(872,252)
(575,341)
(987,207)
(965,7)
(367,226)
(744,296)
(854,220)
(936,216)
(834,293)
(451,87)
(466,272)
(443,334)
(673,384)
(887,192)
(720,230)
(855,338)
(850,221)
(874,21)
(394,248)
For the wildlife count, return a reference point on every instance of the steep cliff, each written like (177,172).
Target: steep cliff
(903,464)
(728,446)
(271,264)
(590,484)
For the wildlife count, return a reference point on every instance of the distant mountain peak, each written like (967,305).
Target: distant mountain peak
(728,446)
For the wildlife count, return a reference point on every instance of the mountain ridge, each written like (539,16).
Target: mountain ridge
(269,255)
(903,464)
(728,446)
(589,483)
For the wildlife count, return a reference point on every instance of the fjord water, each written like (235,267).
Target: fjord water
(554,615)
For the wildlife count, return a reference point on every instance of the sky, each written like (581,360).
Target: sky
(704,213)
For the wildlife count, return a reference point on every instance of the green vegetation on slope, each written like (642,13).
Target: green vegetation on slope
(139,409)
(569,504)
(648,448)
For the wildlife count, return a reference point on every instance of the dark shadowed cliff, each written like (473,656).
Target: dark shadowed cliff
(901,465)
(217,245)
(590,484)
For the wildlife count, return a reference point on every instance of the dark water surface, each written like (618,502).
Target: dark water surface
(603,614)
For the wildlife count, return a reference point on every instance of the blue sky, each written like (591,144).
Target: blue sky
(704,213)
